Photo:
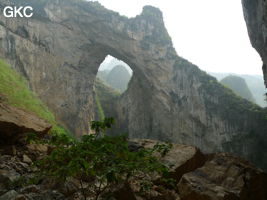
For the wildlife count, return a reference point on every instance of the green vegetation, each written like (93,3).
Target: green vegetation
(255,84)
(105,99)
(100,111)
(14,90)
(102,163)
(102,126)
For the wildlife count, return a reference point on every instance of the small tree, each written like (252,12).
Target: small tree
(102,163)
(101,126)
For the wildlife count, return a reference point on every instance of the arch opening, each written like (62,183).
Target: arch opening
(112,80)
(115,73)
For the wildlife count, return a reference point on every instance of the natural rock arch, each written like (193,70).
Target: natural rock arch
(73,38)
(60,49)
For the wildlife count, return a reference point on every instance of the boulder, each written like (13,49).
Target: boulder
(16,123)
(7,176)
(180,159)
(26,159)
(224,177)
(10,195)
(40,148)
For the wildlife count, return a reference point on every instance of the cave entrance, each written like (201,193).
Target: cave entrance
(112,81)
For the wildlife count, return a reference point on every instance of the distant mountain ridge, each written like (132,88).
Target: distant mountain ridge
(117,77)
(239,86)
(255,84)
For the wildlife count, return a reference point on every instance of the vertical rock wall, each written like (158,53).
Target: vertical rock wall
(255,13)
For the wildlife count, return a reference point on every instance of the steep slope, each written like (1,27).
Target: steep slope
(239,86)
(14,91)
(59,51)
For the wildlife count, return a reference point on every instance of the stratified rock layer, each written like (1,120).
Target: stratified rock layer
(59,51)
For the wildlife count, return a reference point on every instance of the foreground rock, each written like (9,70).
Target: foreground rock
(224,177)
(180,159)
(18,177)
(15,123)
(130,192)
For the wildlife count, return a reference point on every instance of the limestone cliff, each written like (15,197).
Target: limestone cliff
(255,13)
(60,49)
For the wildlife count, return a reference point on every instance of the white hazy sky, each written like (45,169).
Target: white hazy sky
(210,33)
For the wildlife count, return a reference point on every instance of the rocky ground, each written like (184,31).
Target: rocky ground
(196,176)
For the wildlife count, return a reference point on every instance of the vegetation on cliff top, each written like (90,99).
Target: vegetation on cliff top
(105,99)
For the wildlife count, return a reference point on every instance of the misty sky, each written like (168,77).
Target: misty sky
(210,33)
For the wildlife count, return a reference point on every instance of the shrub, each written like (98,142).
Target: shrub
(102,163)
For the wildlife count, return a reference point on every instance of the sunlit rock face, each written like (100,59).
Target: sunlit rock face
(60,49)
(255,13)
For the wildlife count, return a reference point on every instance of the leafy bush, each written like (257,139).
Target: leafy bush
(101,126)
(102,163)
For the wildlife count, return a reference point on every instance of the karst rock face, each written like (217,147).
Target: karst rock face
(255,13)
(61,47)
